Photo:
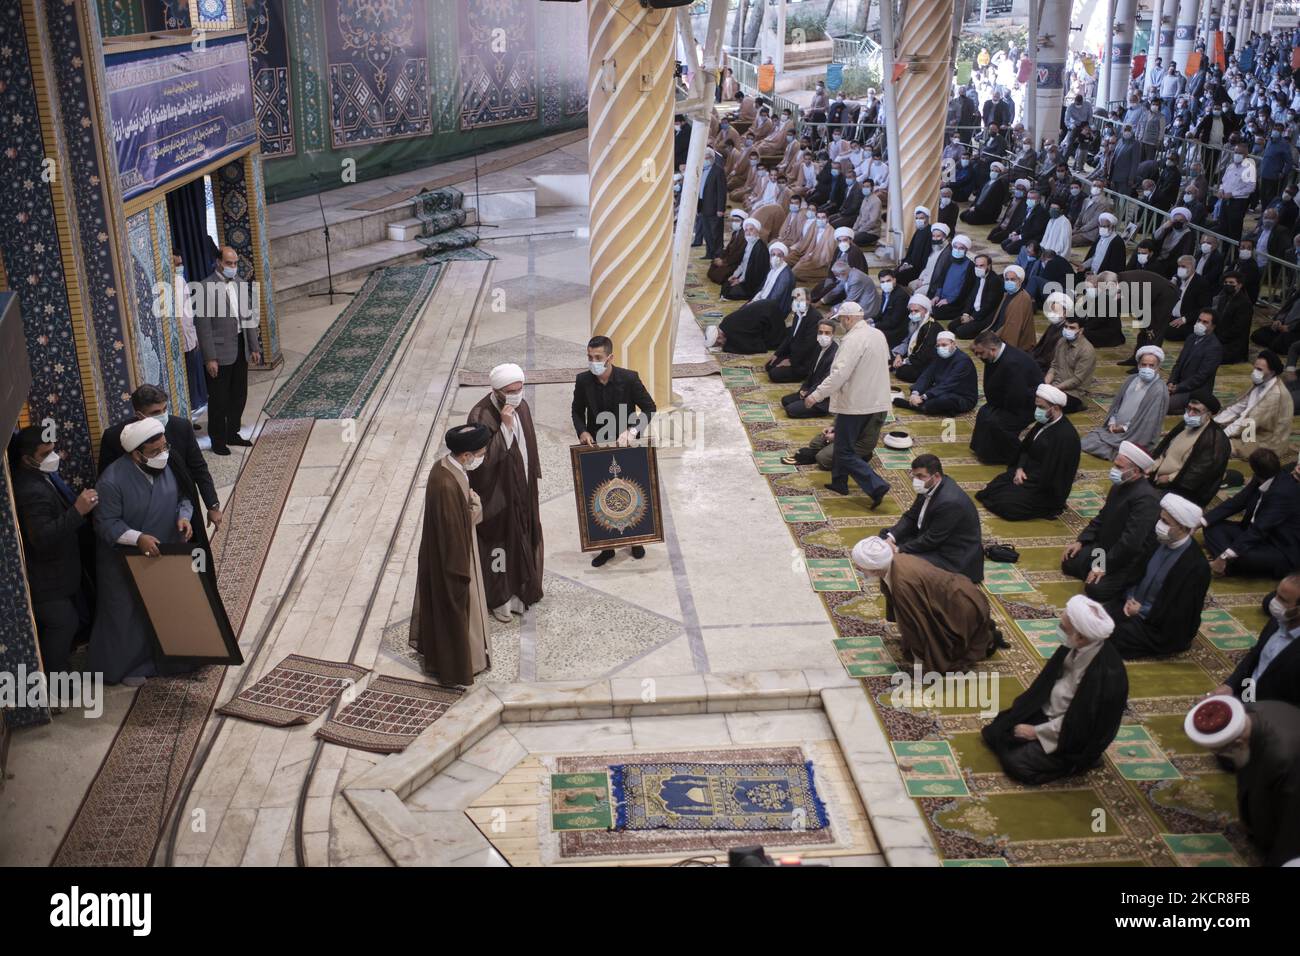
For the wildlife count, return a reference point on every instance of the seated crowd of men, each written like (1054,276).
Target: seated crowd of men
(808,205)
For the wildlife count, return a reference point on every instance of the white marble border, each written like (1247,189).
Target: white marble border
(442,838)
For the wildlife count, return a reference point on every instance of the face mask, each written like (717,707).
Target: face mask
(849,180)
(810,214)
(1069,335)
(887,285)
(597,368)
(1257,377)
(794,208)
(825,340)
(1206,248)
(1020,193)
(775,261)
(1010,285)
(230,271)
(965,162)
(1103,231)
(1237,157)
(921,223)
(1096,191)
(1031,203)
(1053,318)
(1142,258)
(918,485)
(158,462)
(514,398)
(1188,197)
(1040,416)
(844,246)
(937,240)
(1147,374)
(959,253)
(1162,531)
(1192,421)
(944,351)
(470,466)
(735,227)
(1116,476)
(1278,610)
(981,272)
(835,172)
(50,463)
(943,202)
(1053,213)
(915,317)
(1183,272)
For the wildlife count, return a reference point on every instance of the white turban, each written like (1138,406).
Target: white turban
(1181,211)
(1136,454)
(873,554)
(778,247)
(1015,271)
(739,214)
(1216,721)
(137,433)
(1061,299)
(962,239)
(843,232)
(751,221)
(998,166)
(1155,350)
(1186,513)
(1089,618)
(924,210)
(849,308)
(940,227)
(945,334)
(921,301)
(1107,219)
(1022,183)
(504,375)
(1050,393)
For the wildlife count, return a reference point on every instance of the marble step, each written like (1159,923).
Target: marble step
(500,205)
(305,242)
(303,278)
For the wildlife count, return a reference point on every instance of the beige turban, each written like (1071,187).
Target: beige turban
(1216,721)
(1050,393)
(1186,513)
(1089,618)
(1136,454)
(137,433)
(873,554)
(504,375)
(849,308)
(1181,211)
(739,214)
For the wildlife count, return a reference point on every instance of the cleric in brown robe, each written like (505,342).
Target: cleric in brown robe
(942,617)
(449,621)
(510,535)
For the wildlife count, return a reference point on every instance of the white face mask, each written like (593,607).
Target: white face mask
(1278,610)
(1183,272)
(887,285)
(1200,328)
(921,223)
(981,272)
(1147,374)
(230,271)
(775,261)
(1069,335)
(1096,191)
(471,465)
(50,463)
(918,485)
(1205,248)
(844,246)
(1103,230)
(597,368)
(159,461)
(1257,377)
(514,398)
(943,202)
(1162,531)
(1142,258)
(825,340)
(944,351)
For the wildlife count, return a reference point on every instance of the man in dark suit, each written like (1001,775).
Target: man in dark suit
(1271,669)
(610,406)
(1194,295)
(1198,363)
(1266,541)
(981,303)
(150,401)
(997,111)
(712,204)
(226,322)
(891,318)
(820,366)
(794,357)
(1235,313)
(50,517)
(942,525)
(681,141)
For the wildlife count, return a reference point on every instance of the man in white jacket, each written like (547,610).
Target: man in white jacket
(858,389)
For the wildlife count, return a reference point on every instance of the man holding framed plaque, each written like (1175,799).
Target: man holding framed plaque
(611,406)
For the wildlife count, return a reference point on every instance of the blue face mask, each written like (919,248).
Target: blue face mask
(1010,285)
(1040,416)
(1031,203)
(1116,476)
(959,253)
(944,351)
(1192,421)
(1147,374)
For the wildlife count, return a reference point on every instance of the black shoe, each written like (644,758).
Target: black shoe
(220,450)
(601,558)
(638,552)
(240,441)
(838,489)
(1132,371)
(1127,361)
(877,499)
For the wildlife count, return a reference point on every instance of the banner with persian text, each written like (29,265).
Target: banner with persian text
(176,109)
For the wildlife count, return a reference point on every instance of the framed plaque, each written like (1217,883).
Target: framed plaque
(182,606)
(617,491)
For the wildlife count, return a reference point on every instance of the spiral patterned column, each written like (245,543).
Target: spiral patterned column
(629,154)
(921,98)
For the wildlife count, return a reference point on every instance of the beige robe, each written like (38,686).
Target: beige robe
(1271,415)
(942,617)
(773,144)
(815,261)
(773,215)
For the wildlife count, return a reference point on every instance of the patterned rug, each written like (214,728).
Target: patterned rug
(342,370)
(591,843)
(388,715)
(1157,799)
(561,376)
(121,817)
(678,795)
(295,691)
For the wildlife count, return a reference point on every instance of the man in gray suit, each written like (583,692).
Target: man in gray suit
(852,285)
(226,322)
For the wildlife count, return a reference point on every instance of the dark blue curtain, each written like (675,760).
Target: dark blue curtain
(187,213)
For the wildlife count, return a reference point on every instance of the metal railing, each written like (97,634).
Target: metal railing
(856,50)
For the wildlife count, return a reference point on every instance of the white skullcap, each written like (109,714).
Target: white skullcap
(849,308)
(962,238)
(1016,271)
(920,300)
(739,214)
(843,232)
(1061,299)
(778,247)
(945,334)
(940,227)
(873,554)
(1155,350)
(924,209)
(137,433)
(1136,454)
(1216,721)
(1107,218)
(1181,211)
(506,374)
(1089,618)
(1186,513)
(1050,393)
(998,166)
(751,221)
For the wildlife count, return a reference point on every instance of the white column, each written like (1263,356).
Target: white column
(1167,31)
(1121,48)
(1153,43)
(1184,32)
(1054,22)
(1107,60)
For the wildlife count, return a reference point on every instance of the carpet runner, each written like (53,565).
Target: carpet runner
(388,715)
(1157,799)
(120,819)
(340,373)
(295,691)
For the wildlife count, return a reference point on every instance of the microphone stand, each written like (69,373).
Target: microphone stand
(325,227)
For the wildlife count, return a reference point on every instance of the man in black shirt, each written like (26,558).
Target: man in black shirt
(610,406)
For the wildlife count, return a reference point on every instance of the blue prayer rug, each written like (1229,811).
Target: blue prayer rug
(716,796)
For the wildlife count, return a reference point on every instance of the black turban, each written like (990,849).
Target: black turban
(1273,359)
(1212,404)
(465,438)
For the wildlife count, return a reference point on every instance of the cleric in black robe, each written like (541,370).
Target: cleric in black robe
(1038,482)
(759,325)
(1063,723)
(1010,378)
(794,357)
(1100,310)
(1161,614)
(754,263)
(987,207)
